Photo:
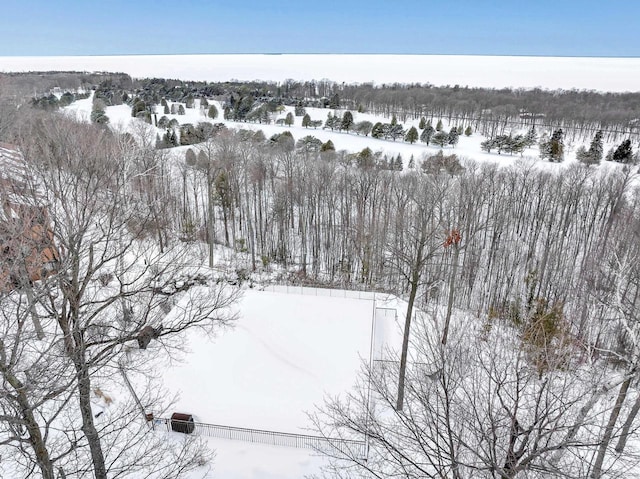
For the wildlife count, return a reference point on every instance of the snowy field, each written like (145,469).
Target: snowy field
(286,353)
(468,147)
(606,74)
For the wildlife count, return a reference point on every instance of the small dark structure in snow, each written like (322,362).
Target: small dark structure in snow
(146,334)
(181,422)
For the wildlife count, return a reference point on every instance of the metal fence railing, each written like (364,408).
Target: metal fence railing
(301,441)
(334,293)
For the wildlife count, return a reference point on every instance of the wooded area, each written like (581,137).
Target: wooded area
(522,288)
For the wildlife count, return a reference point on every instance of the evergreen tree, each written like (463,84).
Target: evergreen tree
(517,144)
(163,122)
(347,121)
(329,123)
(595,149)
(412,163)
(553,149)
(309,144)
(488,145)
(439,125)
(377,131)
(423,123)
(531,136)
(181,109)
(166,110)
(137,107)
(468,131)
(365,159)
(213,112)
(289,119)
(334,103)
(593,155)
(623,153)
(99,116)
(170,139)
(440,138)
(557,146)
(328,146)
(427,134)
(306,120)
(394,120)
(412,135)
(66,99)
(454,134)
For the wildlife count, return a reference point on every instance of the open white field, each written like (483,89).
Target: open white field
(605,74)
(286,353)
(467,147)
(243,460)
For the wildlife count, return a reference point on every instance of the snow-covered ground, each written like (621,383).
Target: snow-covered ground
(242,460)
(286,353)
(606,74)
(467,147)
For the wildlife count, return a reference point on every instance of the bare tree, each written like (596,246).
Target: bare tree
(109,285)
(422,239)
(475,408)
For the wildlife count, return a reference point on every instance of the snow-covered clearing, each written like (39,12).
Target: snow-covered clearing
(242,460)
(286,353)
(606,74)
(467,147)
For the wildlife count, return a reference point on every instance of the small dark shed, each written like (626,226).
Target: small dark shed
(181,422)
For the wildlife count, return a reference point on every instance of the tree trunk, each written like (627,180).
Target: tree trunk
(624,435)
(35,436)
(26,286)
(608,432)
(415,280)
(452,284)
(210,221)
(88,426)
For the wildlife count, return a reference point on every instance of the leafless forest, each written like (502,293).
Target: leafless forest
(531,275)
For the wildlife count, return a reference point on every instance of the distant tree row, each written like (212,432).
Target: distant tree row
(51,102)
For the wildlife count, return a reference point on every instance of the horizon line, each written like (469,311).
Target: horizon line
(326,53)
